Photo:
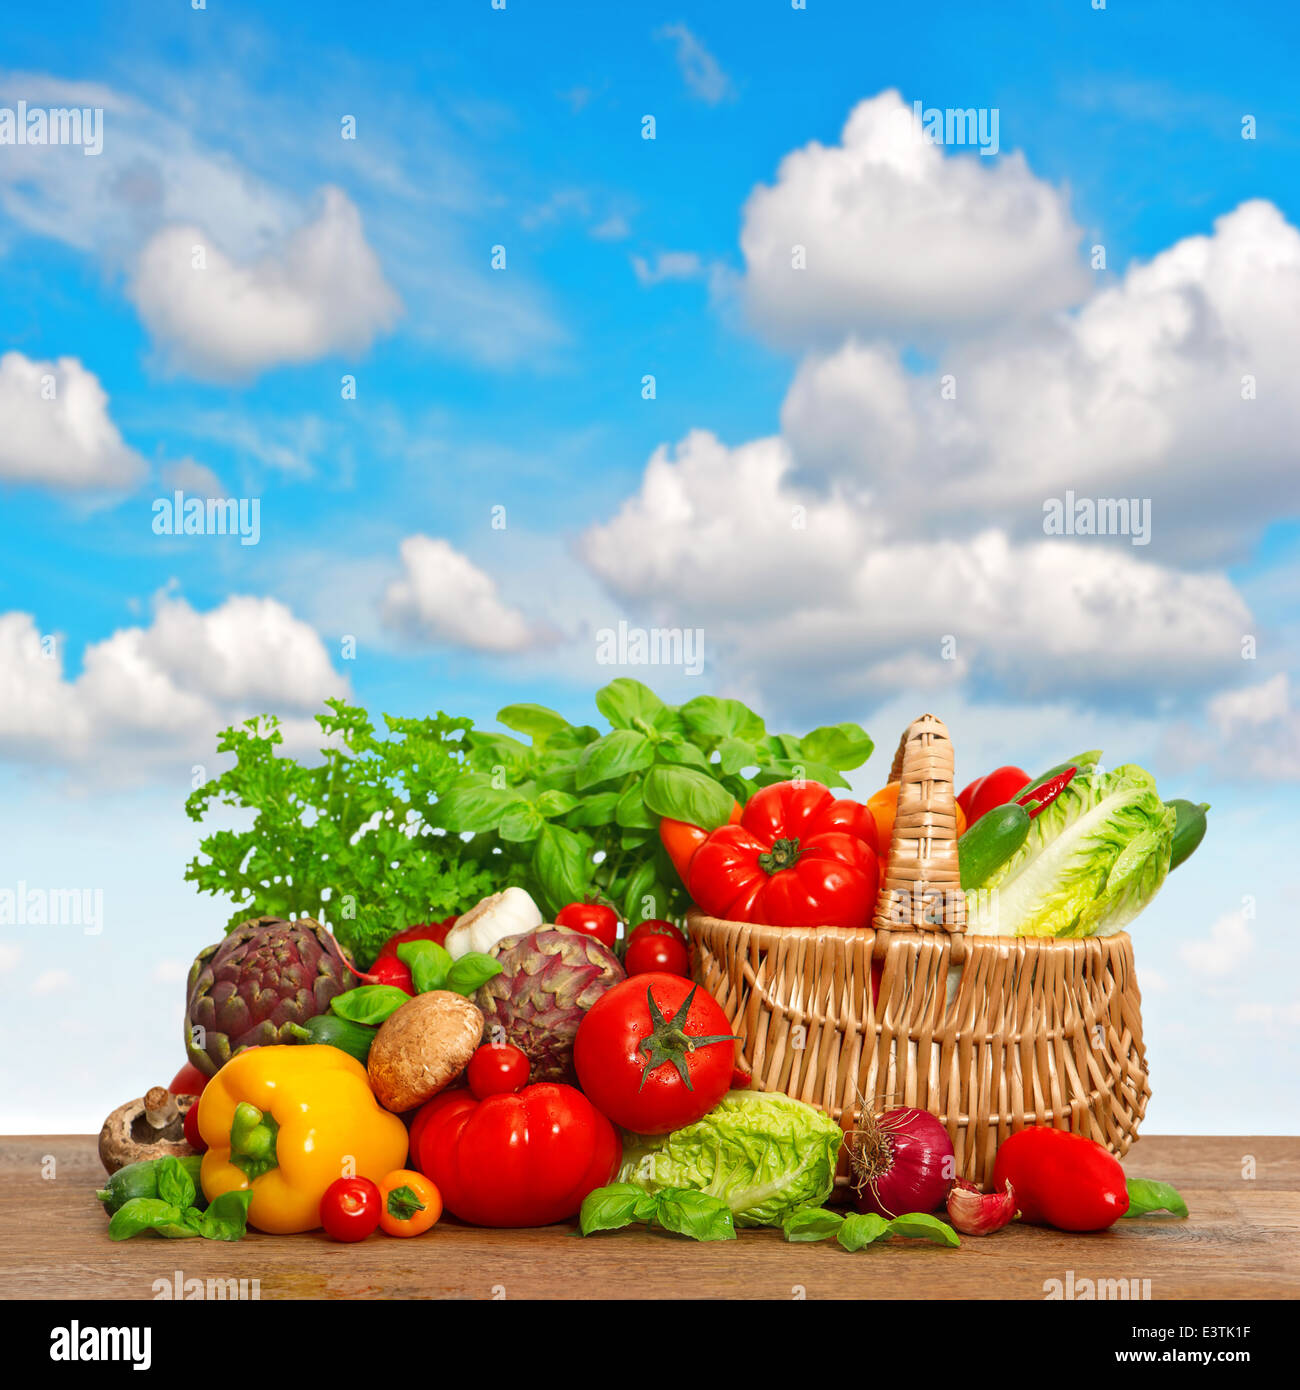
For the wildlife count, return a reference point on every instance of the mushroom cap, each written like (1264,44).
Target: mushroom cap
(422,1048)
(128,1137)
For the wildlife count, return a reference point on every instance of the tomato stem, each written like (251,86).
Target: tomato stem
(784,854)
(668,1040)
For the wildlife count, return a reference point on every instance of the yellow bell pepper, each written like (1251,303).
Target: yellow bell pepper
(288,1121)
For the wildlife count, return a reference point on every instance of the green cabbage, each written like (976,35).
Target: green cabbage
(1093,860)
(761,1153)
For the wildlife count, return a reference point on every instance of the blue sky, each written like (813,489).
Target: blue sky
(522,388)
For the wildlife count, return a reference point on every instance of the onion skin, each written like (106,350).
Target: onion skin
(976,1213)
(902,1162)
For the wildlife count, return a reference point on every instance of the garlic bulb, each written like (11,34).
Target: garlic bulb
(489,922)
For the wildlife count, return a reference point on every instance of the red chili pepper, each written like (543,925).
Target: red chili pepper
(1042,797)
(1061,1179)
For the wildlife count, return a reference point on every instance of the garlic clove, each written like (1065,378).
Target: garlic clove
(976,1213)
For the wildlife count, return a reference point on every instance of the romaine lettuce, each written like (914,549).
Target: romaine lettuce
(1093,860)
(763,1154)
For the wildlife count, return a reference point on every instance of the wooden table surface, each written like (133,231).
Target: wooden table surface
(1242,1241)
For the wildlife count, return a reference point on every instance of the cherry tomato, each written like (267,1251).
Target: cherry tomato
(189,1081)
(409,1203)
(655,926)
(349,1209)
(496,1069)
(655,1053)
(592,919)
(657,951)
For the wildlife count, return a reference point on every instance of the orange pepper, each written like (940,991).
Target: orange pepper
(884,807)
(409,1203)
(681,839)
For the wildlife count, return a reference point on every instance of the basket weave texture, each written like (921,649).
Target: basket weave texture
(989,1033)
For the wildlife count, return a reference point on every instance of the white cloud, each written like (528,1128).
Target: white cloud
(1224,951)
(442,596)
(155,696)
(9,957)
(1257,731)
(667,265)
(700,70)
(321,292)
(801,587)
(57,431)
(51,982)
(900,237)
(1138,395)
(194,478)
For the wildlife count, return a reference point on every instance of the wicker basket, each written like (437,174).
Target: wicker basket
(988,1033)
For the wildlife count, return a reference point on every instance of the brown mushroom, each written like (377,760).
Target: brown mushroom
(152,1126)
(422,1048)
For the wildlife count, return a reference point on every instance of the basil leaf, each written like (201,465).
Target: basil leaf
(682,793)
(735,753)
(555,803)
(522,824)
(175,1186)
(640,884)
(370,1004)
(695,1214)
(861,1229)
(630,811)
(595,809)
(1145,1196)
(711,720)
(429,964)
(919,1225)
(610,1208)
(622,701)
(473,807)
(842,746)
(621,751)
(811,1223)
(538,722)
(682,755)
(227,1217)
(471,970)
(145,1214)
(560,863)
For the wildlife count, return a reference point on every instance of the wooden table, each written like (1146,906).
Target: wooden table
(1242,1241)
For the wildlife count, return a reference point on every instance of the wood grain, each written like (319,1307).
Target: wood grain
(1242,1241)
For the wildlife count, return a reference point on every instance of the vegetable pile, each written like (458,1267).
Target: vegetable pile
(456,981)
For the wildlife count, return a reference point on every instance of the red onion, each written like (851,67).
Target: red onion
(902,1162)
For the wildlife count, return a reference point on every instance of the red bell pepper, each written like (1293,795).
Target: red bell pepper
(681,839)
(999,787)
(789,862)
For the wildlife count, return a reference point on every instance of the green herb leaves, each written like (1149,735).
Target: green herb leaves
(173,1213)
(677,1209)
(857,1230)
(1146,1196)
(431,968)
(369,1004)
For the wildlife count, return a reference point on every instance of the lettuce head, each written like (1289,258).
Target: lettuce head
(1093,860)
(762,1153)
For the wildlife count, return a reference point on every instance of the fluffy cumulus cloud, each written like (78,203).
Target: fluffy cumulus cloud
(799,588)
(1173,385)
(442,596)
(321,291)
(57,429)
(155,695)
(900,237)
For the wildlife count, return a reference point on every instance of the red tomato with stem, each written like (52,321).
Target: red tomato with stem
(655,1053)
(789,863)
(495,1069)
(657,951)
(350,1209)
(1000,786)
(591,919)
(523,1159)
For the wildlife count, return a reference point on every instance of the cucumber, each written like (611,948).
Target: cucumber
(141,1180)
(990,842)
(1189,828)
(333,1031)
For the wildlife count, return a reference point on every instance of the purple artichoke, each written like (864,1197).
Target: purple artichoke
(549,978)
(252,989)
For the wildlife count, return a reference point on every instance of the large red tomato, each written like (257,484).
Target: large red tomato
(790,862)
(655,1053)
(526,1158)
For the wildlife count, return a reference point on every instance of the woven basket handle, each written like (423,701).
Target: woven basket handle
(922,890)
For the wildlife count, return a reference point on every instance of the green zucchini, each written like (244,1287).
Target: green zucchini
(1189,828)
(990,842)
(333,1031)
(141,1180)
